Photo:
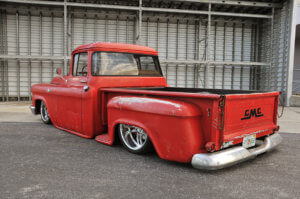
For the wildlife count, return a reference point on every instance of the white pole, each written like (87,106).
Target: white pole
(290,70)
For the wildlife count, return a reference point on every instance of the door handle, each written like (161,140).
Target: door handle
(83,81)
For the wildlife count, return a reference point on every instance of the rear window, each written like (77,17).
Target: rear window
(124,64)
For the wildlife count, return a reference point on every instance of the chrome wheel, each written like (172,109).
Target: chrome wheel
(134,138)
(44,114)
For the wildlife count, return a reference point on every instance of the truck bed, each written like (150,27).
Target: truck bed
(227,115)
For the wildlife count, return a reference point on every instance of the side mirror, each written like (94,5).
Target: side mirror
(58,71)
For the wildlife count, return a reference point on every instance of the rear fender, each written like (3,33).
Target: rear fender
(172,126)
(157,106)
(114,127)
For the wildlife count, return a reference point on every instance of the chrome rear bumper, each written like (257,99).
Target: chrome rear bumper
(32,108)
(228,157)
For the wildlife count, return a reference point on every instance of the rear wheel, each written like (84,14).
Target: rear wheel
(134,139)
(44,114)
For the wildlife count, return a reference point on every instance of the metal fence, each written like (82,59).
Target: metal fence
(211,44)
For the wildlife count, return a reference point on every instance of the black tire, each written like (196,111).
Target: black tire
(44,114)
(146,145)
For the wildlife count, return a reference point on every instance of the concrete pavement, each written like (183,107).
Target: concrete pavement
(17,112)
(290,120)
(40,161)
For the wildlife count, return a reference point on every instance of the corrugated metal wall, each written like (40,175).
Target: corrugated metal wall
(279,55)
(179,39)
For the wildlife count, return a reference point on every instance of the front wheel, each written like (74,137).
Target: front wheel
(134,139)
(44,114)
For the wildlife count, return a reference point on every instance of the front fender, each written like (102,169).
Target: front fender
(45,93)
(36,98)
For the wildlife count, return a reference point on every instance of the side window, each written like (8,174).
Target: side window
(75,63)
(80,61)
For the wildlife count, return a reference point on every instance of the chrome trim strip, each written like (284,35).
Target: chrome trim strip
(231,156)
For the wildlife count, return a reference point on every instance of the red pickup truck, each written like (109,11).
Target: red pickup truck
(117,90)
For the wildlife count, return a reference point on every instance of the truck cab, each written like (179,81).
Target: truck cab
(75,105)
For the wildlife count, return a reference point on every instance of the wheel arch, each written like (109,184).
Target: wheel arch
(114,130)
(37,102)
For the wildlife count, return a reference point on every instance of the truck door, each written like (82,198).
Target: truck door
(69,97)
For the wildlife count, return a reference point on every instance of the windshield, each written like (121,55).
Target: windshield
(124,64)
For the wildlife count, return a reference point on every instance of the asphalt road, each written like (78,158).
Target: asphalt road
(40,161)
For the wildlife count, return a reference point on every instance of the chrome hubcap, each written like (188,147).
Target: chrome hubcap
(44,112)
(134,137)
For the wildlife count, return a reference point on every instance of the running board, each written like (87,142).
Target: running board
(104,138)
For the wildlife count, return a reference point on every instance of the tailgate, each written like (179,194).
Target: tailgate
(246,114)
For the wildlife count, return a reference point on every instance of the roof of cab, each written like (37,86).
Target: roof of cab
(116,47)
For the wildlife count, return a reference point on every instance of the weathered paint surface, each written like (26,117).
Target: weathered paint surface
(154,106)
